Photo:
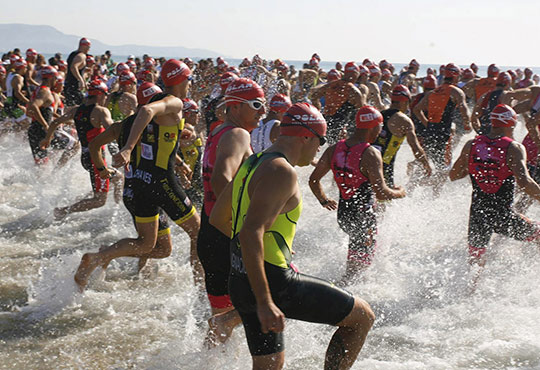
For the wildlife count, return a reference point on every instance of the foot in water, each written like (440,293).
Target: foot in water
(220,328)
(89,262)
(60,213)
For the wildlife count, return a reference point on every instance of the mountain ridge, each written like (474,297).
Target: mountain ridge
(47,39)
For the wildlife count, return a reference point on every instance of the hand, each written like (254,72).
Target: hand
(329,204)
(107,173)
(185,170)
(121,159)
(399,191)
(343,133)
(271,318)
(44,144)
(427,167)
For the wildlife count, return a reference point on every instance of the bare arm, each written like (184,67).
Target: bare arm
(168,105)
(41,99)
(233,148)
(459,99)
(375,96)
(412,140)
(106,137)
(419,109)
(372,165)
(101,117)
(460,169)
(78,62)
(17,84)
(65,118)
(356,97)
(517,163)
(316,94)
(477,113)
(322,168)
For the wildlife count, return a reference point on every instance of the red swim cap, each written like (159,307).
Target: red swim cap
(504,79)
(90,61)
(468,73)
(512,74)
(363,70)
(245,63)
(386,72)
(316,56)
(121,67)
(190,106)
(374,70)
(493,70)
(132,65)
(333,75)
(283,67)
(368,117)
(430,71)
(174,72)
(48,72)
(280,103)
(503,116)
(31,53)
(474,67)
(301,119)
(339,66)
(62,65)
(430,82)
(226,79)
(313,62)
(242,90)
(528,72)
(351,67)
(2,70)
(401,93)
(19,63)
(414,63)
(97,87)
(368,63)
(126,78)
(451,70)
(146,91)
(384,64)
(84,41)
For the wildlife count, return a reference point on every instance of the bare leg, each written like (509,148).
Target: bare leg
(123,248)
(67,155)
(118,183)
(274,361)
(221,325)
(191,227)
(97,201)
(348,340)
(162,249)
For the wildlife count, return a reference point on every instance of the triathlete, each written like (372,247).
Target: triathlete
(495,162)
(478,87)
(374,96)
(41,110)
(440,105)
(396,127)
(267,132)
(16,101)
(227,147)
(264,285)
(122,103)
(119,131)
(358,171)
(342,99)
(90,118)
(75,82)
(158,126)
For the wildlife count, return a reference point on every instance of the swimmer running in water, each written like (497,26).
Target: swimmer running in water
(265,286)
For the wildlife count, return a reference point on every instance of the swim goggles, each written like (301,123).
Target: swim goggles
(253,104)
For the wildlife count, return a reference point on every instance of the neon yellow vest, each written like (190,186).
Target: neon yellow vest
(279,237)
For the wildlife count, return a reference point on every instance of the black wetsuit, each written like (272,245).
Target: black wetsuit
(72,90)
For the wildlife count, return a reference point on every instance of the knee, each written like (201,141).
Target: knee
(362,315)
(100,199)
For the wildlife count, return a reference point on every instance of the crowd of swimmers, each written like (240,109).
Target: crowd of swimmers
(212,147)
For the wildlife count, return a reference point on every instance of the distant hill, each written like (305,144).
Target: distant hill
(48,40)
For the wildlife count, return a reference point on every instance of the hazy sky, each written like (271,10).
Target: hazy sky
(431,31)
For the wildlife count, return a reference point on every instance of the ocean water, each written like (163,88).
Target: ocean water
(418,285)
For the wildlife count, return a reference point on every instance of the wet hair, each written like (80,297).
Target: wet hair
(52,61)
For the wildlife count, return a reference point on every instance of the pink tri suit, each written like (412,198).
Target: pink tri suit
(493,195)
(356,215)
